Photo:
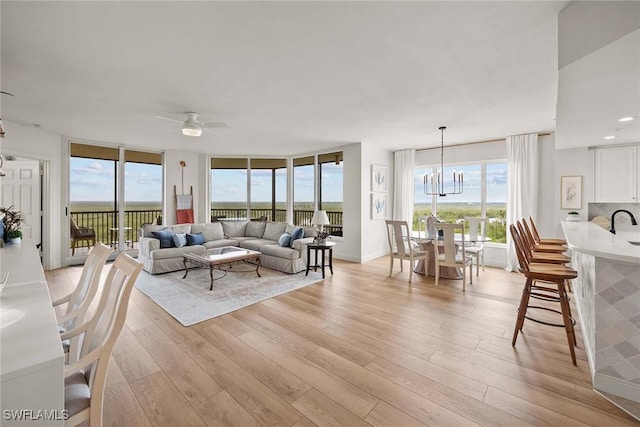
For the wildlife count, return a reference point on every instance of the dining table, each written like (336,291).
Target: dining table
(32,368)
(427,244)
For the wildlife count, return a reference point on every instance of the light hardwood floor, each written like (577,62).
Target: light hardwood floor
(358,348)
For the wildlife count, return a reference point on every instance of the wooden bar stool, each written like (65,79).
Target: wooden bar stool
(543,258)
(547,274)
(526,234)
(538,240)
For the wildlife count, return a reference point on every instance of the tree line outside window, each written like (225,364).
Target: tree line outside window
(485,194)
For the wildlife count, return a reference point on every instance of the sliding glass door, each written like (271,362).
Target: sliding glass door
(108,203)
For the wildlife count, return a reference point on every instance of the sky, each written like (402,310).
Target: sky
(230,185)
(93,180)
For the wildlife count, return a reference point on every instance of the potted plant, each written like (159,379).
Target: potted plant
(573,216)
(13,220)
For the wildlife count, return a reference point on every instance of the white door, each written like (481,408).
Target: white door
(21,189)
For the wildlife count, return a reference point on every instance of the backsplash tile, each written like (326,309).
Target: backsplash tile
(606,209)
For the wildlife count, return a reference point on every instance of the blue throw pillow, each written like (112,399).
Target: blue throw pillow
(285,240)
(165,237)
(297,233)
(180,240)
(195,239)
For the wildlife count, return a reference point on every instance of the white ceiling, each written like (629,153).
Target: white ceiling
(286,77)
(596,91)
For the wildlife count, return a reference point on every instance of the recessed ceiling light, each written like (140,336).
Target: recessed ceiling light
(626,119)
(610,137)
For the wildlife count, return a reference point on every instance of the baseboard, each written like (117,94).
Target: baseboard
(616,386)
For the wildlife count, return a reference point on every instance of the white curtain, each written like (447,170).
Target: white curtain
(403,164)
(522,185)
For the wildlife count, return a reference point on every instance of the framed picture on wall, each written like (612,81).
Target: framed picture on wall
(379,178)
(571,192)
(378,205)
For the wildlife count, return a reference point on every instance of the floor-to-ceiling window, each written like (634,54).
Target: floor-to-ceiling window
(142,191)
(303,190)
(229,188)
(496,205)
(95,203)
(269,189)
(330,176)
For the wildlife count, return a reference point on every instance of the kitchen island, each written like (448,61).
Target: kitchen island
(607,294)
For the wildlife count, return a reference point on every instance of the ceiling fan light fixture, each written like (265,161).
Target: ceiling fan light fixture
(191,131)
(191,127)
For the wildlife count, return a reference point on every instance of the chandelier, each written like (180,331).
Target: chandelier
(434,185)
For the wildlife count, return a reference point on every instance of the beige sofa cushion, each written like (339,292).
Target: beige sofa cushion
(273,230)
(175,252)
(255,244)
(255,229)
(180,228)
(212,231)
(220,243)
(234,228)
(148,228)
(280,252)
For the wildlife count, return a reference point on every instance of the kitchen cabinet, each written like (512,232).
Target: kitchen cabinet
(616,174)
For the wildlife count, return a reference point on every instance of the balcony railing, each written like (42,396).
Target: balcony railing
(102,222)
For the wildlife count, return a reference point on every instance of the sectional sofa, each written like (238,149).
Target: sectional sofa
(262,236)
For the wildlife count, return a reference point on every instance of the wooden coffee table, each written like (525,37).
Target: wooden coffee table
(222,259)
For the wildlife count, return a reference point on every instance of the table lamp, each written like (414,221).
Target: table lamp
(320,219)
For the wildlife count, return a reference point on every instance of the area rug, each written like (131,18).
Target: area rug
(190,301)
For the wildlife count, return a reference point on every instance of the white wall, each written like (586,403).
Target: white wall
(32,143)
(472,153)
(194,177)
(373,240)
(572,162)
(350,249)
(548,185)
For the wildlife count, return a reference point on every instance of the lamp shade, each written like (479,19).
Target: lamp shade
(320,218)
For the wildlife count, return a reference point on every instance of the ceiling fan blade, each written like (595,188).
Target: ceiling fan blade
(211,125)
(171,120)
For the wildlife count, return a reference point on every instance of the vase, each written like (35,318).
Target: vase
(15,240)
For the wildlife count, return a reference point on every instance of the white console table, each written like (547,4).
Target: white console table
(31,355)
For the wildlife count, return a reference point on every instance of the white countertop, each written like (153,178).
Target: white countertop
(28,331)
(22,262)
(592,239)
(28,326)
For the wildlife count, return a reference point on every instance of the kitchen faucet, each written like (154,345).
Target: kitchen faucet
(613,218)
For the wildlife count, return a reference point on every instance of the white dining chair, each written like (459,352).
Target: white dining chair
(450,256)
(477,236)
(402,247)
(85,375)
(78,301)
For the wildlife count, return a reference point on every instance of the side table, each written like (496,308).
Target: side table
(320,247)
(127,236)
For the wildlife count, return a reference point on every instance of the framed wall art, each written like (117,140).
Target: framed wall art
(571,192)
(378,205)
(379,178)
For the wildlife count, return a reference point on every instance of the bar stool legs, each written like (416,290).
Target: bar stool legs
(565,310)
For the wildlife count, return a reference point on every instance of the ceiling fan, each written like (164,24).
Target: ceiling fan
(192,126)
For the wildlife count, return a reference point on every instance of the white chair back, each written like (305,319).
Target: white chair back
(449,240)
(399,237)
(82,296)
(100,334)
(431,231)
(477,229)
